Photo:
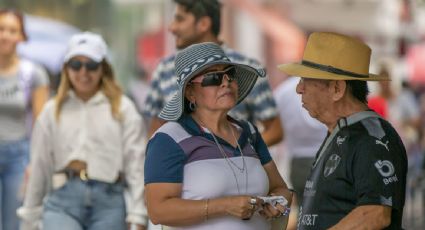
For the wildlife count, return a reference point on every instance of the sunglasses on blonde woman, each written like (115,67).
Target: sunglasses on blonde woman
(215,78)
(76,65)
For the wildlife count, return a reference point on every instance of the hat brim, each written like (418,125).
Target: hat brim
(83,52)
(300,70)
(246,78)
(174,108)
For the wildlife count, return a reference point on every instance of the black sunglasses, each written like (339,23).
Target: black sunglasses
(216,78)
(77,65)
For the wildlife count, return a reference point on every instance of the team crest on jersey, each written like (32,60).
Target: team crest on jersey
(331,164)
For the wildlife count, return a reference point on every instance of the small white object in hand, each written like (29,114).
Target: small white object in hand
(274,200)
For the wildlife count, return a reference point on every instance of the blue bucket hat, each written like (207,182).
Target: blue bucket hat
(191,61)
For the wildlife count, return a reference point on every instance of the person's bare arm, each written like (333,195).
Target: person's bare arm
(167,208)
(39,98)
(154,124)
(277,186)
(366,217)
(273,132)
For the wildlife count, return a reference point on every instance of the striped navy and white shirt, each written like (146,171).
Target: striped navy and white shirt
(259,105)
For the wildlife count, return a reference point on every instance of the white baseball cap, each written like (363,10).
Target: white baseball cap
(86,44)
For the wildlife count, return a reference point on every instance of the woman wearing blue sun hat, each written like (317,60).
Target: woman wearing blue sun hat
(203,168)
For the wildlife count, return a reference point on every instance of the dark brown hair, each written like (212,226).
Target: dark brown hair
(202,8)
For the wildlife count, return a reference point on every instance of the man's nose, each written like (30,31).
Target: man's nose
(300,87)
(171,27)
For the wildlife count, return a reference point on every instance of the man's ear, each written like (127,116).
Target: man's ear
(204,24)
(338,89)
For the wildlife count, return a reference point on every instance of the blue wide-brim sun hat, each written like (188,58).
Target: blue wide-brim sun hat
(191,61)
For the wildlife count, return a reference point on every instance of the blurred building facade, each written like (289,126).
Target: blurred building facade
(276,28)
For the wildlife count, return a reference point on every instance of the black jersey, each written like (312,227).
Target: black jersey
(362,162)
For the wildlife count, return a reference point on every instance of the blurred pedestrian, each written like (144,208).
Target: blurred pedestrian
(87,149)
(198,21)
(23,91)
(204,169)
(399,107)
(358,179)
(138,89)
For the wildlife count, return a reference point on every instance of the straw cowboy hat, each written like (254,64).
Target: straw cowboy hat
(332,56)
(191,61)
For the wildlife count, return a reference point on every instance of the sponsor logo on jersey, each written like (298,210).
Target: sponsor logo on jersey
(307,219)
(340,140)
(379,142)
(309,184)
(387,171)
(309,190)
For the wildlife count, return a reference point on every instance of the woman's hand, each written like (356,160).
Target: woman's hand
(269,211)
(242,206)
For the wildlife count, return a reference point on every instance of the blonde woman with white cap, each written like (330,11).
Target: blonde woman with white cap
(205,169)
(88,148)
